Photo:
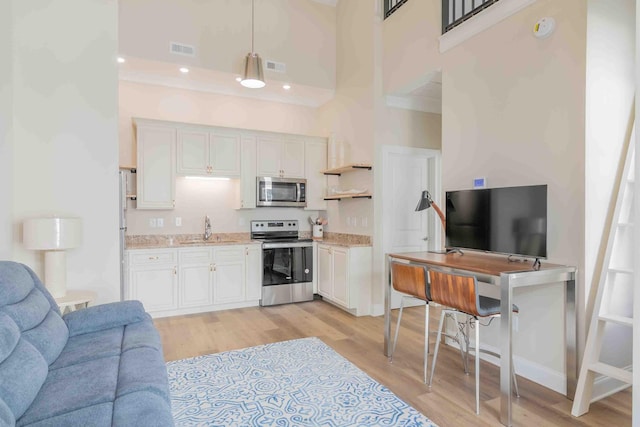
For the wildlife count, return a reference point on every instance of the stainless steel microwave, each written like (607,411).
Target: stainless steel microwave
(288,192)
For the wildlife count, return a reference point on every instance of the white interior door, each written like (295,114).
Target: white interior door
(406,173)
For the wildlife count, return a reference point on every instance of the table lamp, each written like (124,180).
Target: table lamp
(426,202)
(53,235)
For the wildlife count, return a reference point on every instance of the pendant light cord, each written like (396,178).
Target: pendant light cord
(252,19)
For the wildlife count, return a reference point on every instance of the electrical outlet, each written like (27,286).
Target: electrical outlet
(152,222)
(178,221)
(160,222)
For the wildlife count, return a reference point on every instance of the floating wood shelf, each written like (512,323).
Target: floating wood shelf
(349,196)
(347,168)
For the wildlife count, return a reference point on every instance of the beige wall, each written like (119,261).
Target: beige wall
(300,33)
(6,139)
(410,43)
(513,112)
(65,154)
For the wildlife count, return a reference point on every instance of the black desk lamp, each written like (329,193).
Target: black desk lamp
(426,202)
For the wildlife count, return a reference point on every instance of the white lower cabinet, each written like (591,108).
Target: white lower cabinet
(196,279)
(153,279)
(228,274)
(344,276)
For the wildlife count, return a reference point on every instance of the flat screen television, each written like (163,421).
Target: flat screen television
(508,220)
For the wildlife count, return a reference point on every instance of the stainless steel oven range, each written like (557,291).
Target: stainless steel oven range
(287,262)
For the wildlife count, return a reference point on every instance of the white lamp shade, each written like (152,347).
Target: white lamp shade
(52,233)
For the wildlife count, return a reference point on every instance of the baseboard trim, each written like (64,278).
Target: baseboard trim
(549,378)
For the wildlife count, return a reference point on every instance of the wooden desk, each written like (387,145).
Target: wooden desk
(508,275)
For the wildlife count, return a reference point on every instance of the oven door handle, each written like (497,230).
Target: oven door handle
(287,245)
(298,192)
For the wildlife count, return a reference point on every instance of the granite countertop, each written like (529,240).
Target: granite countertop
(162,241)
(159,241)
(346,240)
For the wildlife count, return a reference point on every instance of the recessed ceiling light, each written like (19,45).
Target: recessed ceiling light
(121,60)
(286,87)
(184,70)
(238,79)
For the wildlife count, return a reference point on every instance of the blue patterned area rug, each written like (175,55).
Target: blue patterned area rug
(301,382)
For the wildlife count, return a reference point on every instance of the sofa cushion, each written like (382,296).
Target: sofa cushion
(73,388)
(143,369)
(142,409)
(141,334)
(85,347)
(22,374)
(105,316)
(24,299)
(95,415)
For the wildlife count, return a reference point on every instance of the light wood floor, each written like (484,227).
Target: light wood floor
(450,402)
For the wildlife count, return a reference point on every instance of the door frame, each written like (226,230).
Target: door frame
(382,240)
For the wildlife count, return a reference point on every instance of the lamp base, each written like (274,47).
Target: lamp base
(55,273)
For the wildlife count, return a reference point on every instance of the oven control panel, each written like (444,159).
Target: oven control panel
(271,225)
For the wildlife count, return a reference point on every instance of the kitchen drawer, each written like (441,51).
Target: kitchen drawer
(152,257)
(233,253)
(194,256)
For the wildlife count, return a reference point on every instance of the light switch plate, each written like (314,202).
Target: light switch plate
(152,222)
(178,221)
(160,222)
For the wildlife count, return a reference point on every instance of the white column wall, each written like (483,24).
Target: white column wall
(65,132)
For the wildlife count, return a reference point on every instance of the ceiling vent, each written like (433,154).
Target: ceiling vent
(278,67)
(182,49)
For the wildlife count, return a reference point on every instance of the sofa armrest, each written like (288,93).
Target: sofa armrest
(104,316)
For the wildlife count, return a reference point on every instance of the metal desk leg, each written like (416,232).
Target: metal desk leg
(387,312)
(506,294)
(571,335)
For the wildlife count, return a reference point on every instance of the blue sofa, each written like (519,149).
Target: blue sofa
(100,366)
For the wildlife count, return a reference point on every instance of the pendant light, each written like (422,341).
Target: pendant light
(253,76)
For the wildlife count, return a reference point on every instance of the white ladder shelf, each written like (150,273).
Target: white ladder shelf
(612,308)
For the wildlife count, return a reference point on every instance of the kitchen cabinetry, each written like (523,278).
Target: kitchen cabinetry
(153,279)
(156,156)
(280,157)
(228,274)
(315,160)
(344,276)
(196,279)
(194,275)
(204,152)
(253,272)
(247,190)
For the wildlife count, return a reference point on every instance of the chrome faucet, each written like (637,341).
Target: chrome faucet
(207,228)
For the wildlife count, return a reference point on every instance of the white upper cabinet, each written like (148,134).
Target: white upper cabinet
(193,152)
(280,157)
(315,153)
(156,158)
(247,190)
(208,152)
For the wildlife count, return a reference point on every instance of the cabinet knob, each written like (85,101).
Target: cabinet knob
(174,203)
(175,271)
(210,267)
